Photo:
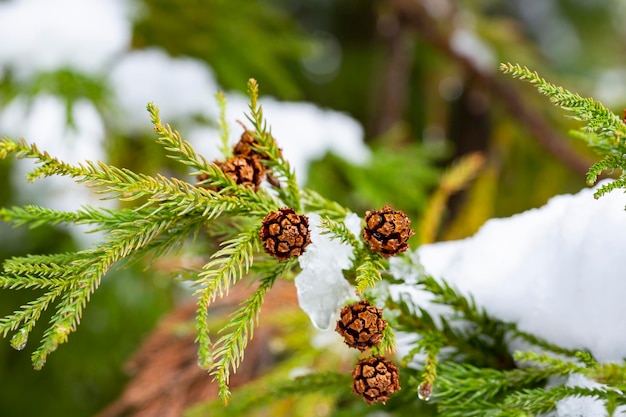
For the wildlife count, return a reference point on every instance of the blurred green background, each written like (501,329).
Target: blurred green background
(422,79)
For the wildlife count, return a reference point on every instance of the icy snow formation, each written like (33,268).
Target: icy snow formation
(581,406)
(321,287)
(556,271)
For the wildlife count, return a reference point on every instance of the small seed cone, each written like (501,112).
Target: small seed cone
(375,379)
(245,146)
(387,231)
(361,325)
(285,233)
(248,171)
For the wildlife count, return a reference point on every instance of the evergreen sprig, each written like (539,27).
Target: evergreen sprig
(463,389)
(339,230)
(466,358)
(368,270)
(228,351)
(290,195)
(162,214)
(467,390)
(603,130)
(314,202)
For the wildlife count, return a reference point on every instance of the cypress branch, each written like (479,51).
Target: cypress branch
(608,127)
(227,266)
(339,230)
(223,125)
(290,195)
(228,351)
(603,131)
(313,201)
(368,270)
(178,148)
(541,400)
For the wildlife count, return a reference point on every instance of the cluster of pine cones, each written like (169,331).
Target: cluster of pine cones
(286,234)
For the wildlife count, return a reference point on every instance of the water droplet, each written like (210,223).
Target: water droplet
(424,391)
(19,339)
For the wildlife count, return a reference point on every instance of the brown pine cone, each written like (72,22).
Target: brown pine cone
(375,379)
(361,325)
(387,231)
(245,146)
(248,171)
(285,233)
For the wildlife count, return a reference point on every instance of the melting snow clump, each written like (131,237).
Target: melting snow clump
(321,287)
(556,271)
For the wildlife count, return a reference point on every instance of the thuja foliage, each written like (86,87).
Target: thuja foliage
(160,214)
(458,363)
(602,130)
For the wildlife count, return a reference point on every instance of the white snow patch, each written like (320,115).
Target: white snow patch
(180,87)
(322,290)
(469,45)
(42,35)
(581,406)
(556,271)
(44,122)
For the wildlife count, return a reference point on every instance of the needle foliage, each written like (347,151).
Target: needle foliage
(463,357)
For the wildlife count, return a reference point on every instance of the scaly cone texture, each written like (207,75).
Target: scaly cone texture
(361,325)
(248,171)
(375,379)
(285,233)
(387,231)
(245,148)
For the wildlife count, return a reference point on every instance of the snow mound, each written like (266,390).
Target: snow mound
(556,271)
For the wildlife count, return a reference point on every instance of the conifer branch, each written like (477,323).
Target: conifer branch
(368,270)
(179,149)
(604,131)
(540,400)
(228,351)
(430,343)
(223,126)
(459,386)
(314,202)
(608,127)
(339,230)
(28,314)
(227,266)
(290,195)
